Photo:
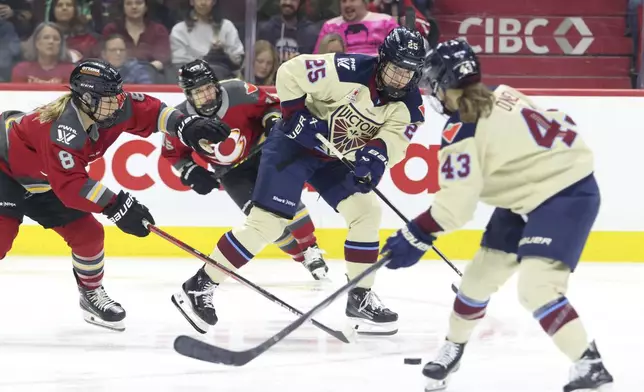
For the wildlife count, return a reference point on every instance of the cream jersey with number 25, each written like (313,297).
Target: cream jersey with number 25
(341,89)
(516,158)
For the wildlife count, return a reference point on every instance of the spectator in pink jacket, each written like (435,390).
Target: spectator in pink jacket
(363,31)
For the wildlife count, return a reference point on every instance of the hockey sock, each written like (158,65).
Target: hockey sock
(303,229)
(359,257)
(85,237)
(8,231)
(231,254)
(288,244)
(466,314)
(560,320)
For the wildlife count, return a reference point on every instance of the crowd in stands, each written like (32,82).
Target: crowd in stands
(148,40)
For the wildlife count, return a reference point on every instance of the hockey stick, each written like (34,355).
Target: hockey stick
(336,334)
(198,349)
(382,197)
(253,151)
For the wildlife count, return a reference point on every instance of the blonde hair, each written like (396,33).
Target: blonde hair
(475,101)
(52,111)
(327,39)
(262,46)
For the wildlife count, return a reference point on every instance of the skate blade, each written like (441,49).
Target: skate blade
(436,385)
(319,274)
(95,320)
(182,303)
(369,328)
(602,388)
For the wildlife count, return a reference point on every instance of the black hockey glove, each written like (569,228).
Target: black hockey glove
(128,214)
(199,179)
(199,132)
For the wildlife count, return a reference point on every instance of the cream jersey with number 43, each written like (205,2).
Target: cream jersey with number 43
(341,89)
(516,158)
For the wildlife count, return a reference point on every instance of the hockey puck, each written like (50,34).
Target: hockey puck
(412,361)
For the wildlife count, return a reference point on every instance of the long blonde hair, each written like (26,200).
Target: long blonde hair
(52,111)
(476,101)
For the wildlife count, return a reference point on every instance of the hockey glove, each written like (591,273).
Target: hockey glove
(407,246)
(198,133)
(198,178)
(371,161)
(128,214)
(303,126)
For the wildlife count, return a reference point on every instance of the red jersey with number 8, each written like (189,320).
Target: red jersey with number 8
(44,156)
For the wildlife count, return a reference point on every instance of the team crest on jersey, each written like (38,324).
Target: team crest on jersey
(450,131)
(350,129)
(231,149)
(250,88)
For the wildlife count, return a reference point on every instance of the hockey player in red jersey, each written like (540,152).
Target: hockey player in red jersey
(43,160)
(250,113)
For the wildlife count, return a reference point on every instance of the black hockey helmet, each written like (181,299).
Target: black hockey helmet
(195,74)
(405,49)
(451,65)
(93,80)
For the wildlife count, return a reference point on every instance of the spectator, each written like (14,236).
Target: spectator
(332,43)
(9,50)
(289,33)
(78,36)
(363,31)
(388,6)
(266,63)
(92,11)
(18,13)
(132,71)
(47,58)
(146,40)
(204,34)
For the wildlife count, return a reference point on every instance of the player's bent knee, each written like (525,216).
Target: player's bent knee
(268,225)
(487,272)
(85,236)
(541,281)
(8,231)
(363,214)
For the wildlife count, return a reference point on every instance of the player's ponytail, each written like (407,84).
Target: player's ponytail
(53,110)
(476,101)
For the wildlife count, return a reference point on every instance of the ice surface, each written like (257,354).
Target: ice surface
(46,346)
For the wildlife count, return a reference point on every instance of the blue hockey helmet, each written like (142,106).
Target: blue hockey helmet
(451,65)
(400,62)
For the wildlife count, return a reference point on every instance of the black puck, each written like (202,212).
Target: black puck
(412,361)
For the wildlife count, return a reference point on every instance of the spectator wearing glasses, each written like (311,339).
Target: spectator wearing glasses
(132,71)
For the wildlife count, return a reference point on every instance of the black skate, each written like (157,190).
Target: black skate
(447,362)
(588,373)
(194,301)
(371,317)
(314,262)
(99,309)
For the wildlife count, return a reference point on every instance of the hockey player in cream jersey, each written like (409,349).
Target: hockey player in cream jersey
(500,148)
(369,107)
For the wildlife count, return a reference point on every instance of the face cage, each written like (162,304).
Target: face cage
(114,108)
(396,92)
(437,104)
(209,107)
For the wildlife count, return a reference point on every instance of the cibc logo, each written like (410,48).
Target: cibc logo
(527,35)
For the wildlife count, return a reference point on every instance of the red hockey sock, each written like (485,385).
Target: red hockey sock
(303,229)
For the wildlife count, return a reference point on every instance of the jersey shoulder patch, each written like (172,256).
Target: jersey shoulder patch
(456,130)
(355,68)
(68,131)
(183,108)
(240,92)
(414,103)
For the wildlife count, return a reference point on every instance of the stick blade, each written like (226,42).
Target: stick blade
(194,348)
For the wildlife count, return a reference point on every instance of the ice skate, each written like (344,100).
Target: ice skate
(314,262)
(447,362)
(99,309)
(365,309)
(194,301)
(589,374)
